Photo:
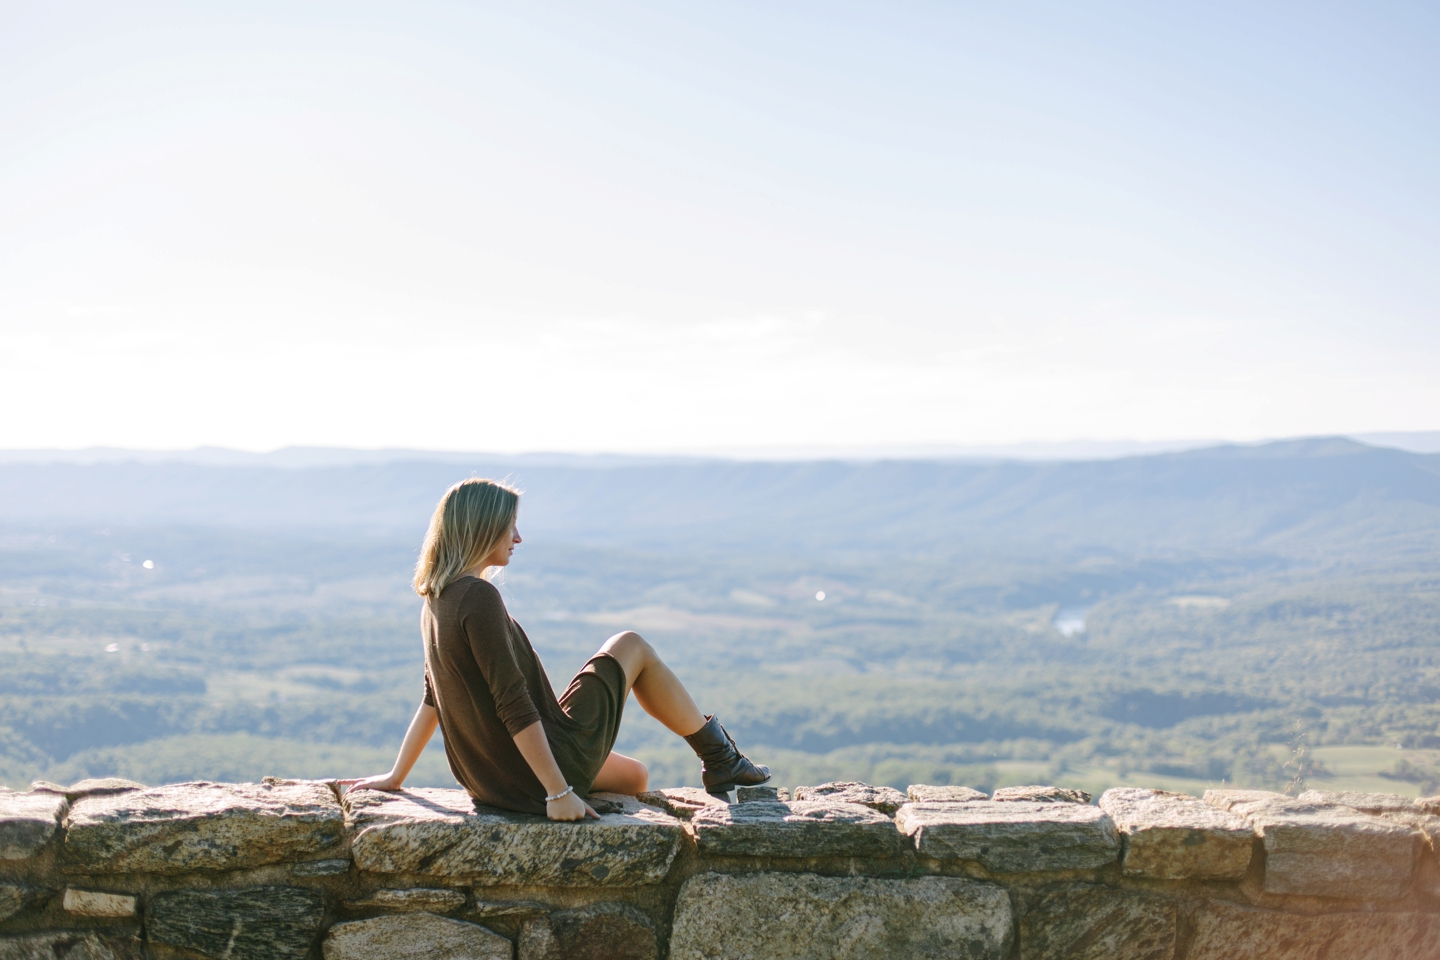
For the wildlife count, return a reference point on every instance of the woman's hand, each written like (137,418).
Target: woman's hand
(385,781)
(569,807)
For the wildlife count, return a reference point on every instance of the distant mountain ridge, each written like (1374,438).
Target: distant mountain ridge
(301,458)
(1294,497)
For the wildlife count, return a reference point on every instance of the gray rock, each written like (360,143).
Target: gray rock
(1091,922)
(799,828)
(261,923)
(884,799)
(414,936)
(1387,806)
(537,941)
(1327,851)
(98,903)
(15,897)
(320,868)
(1041,794)
(71,945)
(1012,836)
(1171,836)
(1236,800)
(605,931)
(27,822)
(513,909)
(87,788)
(762,916)
(748,794)
(416,899)
(441,833)
(681,802)
(1225,931)
(202,826)
(924,793)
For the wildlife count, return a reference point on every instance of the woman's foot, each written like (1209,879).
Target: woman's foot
(722,766)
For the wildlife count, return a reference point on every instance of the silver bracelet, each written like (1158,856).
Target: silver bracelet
(562,794)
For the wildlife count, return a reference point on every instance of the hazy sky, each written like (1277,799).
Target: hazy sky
(649,226)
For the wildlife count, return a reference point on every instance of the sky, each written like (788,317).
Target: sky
(695,226)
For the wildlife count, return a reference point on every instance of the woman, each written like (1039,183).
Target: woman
(510,742)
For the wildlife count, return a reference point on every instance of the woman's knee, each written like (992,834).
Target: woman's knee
(631,650)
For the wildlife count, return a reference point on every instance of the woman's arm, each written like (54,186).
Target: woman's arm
(422,728)
(536,751)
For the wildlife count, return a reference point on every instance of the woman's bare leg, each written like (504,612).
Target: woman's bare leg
(660,692)
(621,774)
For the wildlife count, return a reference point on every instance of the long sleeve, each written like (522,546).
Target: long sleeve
(487,627)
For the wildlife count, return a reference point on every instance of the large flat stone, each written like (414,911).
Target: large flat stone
(1417,813)
(762,916)
(261,923)
(605,931)
(1225,931)
(1012,836)
(71,945)
(1039,793)
(1331,851)
(925,793)
(415,900)
(414,936)
(441,833)
(86,788)
(202,826)
(680,802)
(27,822)
(1087,921)
(884,799)
(1171,836)
(798,828)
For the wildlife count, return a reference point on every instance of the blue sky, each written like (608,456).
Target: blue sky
(692,226)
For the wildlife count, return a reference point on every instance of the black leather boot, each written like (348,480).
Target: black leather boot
(722,766)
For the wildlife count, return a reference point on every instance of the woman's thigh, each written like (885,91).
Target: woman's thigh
(621,774)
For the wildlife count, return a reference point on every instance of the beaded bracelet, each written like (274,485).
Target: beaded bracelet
(563,793)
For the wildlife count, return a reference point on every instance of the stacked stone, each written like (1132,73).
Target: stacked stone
(111,870)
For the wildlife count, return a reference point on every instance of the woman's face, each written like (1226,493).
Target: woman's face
(500,556)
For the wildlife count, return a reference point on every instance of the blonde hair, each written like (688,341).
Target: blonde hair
(471,519)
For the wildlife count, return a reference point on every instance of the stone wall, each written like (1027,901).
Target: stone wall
(109,870)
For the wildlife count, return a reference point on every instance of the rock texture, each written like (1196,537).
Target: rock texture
(799,828)
(27,822)
(1324,851)
(1171,836)
(15,897)
(681,802)
(70,945)
(261,923)
(1012,836)
(537,941)
(1041,794)
(424,899)
(884,799)
(320,868)
(924,793)
(1225,931)
(87,788)
(280,870)
(440,833)
(202,826)
(1092,922)
(747,794)
(98,903)
(606,931)
(803,916)
(414,936)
